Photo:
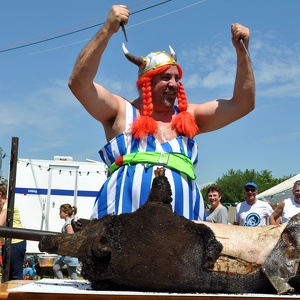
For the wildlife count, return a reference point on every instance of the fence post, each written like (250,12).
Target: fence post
(10,206)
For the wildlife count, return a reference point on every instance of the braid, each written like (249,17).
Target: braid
(184,122)
(147,97)
(182,102)
(145,124)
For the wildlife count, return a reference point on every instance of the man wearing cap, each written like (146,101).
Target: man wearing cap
(152,130)
(252,212)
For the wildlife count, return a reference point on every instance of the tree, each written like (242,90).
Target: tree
(232,184)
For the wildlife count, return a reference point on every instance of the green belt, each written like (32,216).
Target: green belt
(173,160)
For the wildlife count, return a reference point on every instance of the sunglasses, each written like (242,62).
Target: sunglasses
(250,190)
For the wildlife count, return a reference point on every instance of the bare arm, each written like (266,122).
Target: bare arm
(99,102)
(69,229)
(219,113)
(277,213)
(3,217)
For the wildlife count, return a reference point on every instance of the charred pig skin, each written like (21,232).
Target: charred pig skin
(152,249)
(282,264)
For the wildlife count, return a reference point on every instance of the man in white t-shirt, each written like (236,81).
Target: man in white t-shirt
(287,207)
(252,212)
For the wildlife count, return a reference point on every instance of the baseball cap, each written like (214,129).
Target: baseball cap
(250,183)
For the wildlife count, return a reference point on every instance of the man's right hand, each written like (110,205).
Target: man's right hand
(116,15)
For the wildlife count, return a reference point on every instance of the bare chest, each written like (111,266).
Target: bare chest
(165,133)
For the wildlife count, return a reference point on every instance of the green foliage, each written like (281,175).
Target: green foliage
(232,184)
(3,180)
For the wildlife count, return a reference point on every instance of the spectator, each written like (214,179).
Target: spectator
(18,246)
(66,212)
(252,212)
(217,213)
(288,207)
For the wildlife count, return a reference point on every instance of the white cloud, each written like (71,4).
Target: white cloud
(192,81)
(215,67)
(118,86)
(42,108)
(276,67)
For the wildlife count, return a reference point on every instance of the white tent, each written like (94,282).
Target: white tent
(279,192)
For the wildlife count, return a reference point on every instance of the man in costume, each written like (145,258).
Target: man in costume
(151,130)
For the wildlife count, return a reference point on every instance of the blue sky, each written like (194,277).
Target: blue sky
(37,106)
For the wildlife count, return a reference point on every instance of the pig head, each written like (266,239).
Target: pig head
(282,265)
(152,249)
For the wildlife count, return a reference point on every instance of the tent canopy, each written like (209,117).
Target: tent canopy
(280,191)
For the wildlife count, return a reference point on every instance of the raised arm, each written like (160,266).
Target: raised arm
(219,113)
(98,101)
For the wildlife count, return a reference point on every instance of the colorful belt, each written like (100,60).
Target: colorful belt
(173,160)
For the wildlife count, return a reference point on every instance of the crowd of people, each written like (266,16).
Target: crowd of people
(252,211)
